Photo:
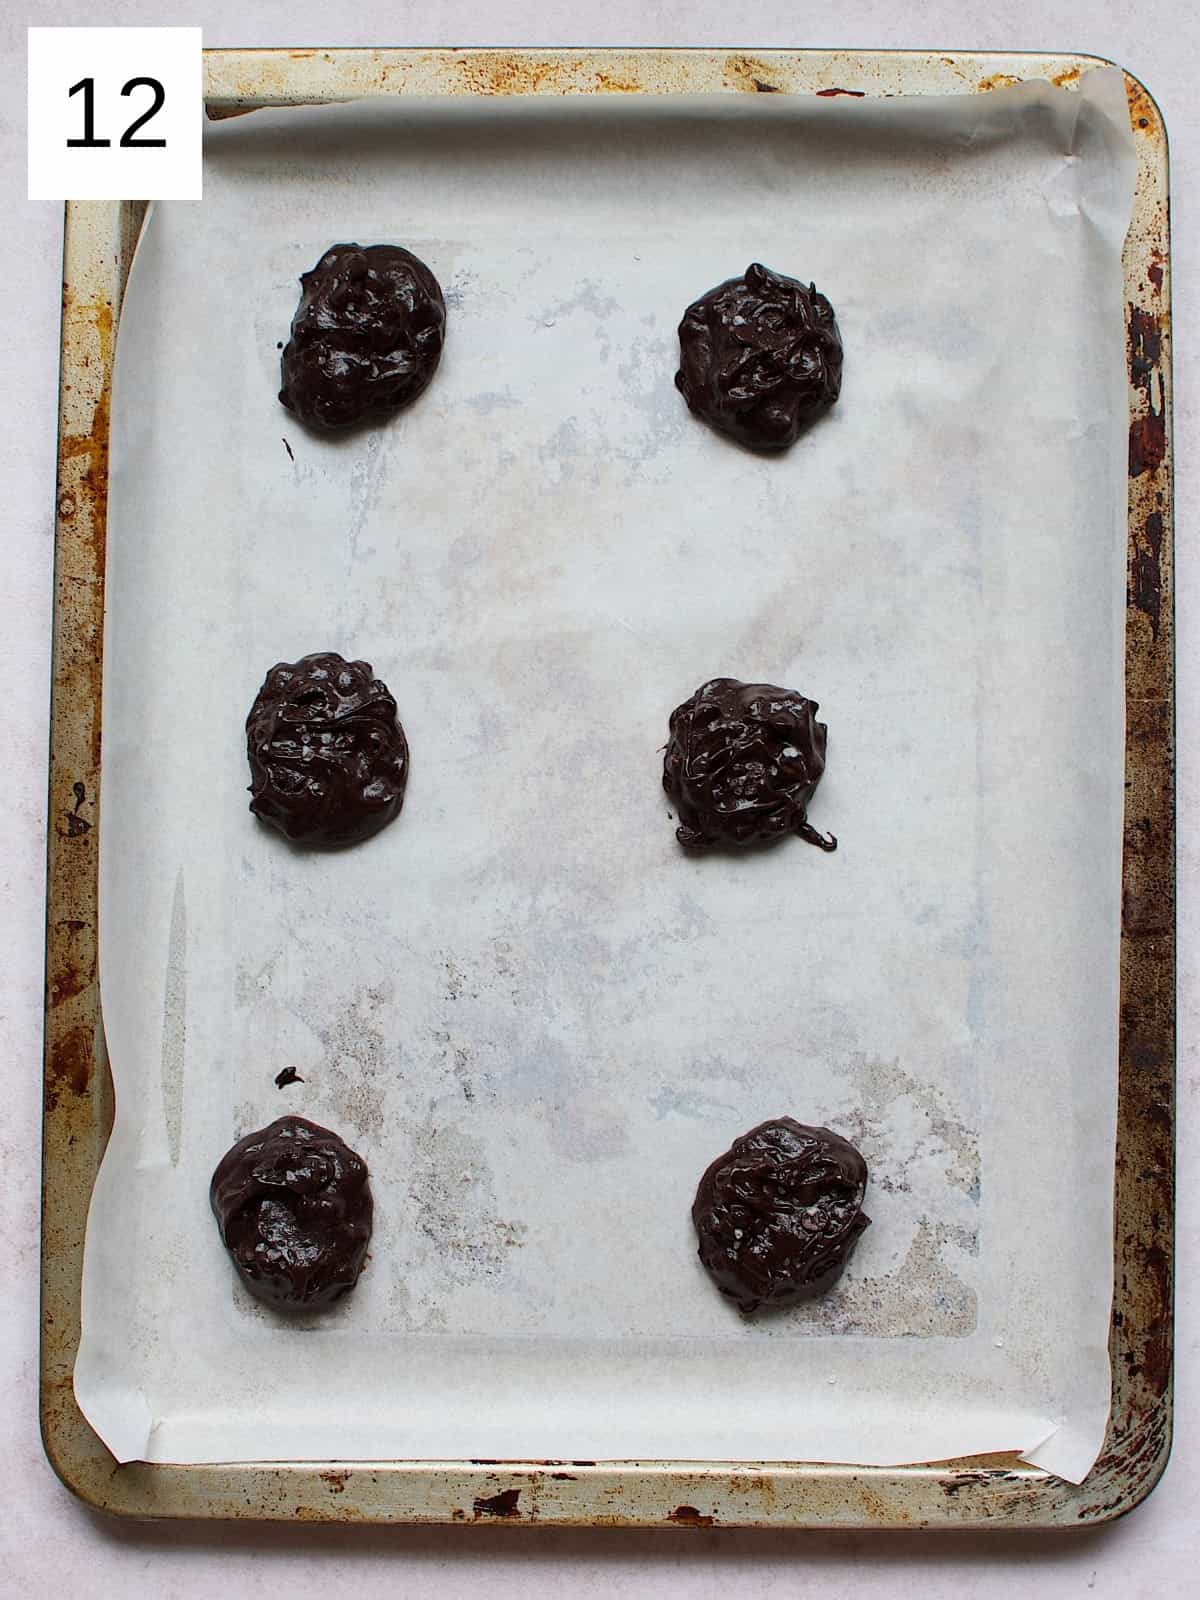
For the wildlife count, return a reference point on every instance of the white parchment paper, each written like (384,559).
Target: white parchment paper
(532,1014)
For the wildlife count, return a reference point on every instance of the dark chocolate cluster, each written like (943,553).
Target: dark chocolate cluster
(778,1215)
(742,763)
(328,758)
(293,1204)
(759,357)
(366,337)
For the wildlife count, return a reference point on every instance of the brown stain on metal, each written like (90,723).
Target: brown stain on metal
(689,1517)
(749,75)
(1061,79)
(1143,113)
(1128,1468)
(856,94)
(92,446)
(1147,452)
(69,1064)
(1146,344)
(607,84)
(76,825)
(997,80)
(964,1480)
(503,1504)
(1147,443)
(1155,1361)
(1144,336)
(83,502)
(503,73)
(336,1481)
(1145,570)
(69,979)
(752,1483)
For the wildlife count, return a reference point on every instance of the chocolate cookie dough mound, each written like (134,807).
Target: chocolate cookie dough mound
(294,1208)
(366,337)
(742,763)
(759,357)
(328,758)
(779,1214)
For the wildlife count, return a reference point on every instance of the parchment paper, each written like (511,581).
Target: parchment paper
(533,1015)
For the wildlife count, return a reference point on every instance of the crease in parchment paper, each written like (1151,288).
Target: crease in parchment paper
(174,1027)
(533,1015)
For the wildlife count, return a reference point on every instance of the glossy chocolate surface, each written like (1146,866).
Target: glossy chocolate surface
(759,357)
(742,763)
(328,758)
(293,1204)
(778,1215)
(366,338)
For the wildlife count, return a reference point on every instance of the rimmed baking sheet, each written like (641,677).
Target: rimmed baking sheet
(536,616)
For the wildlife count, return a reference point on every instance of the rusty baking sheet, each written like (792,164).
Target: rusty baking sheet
(100,237)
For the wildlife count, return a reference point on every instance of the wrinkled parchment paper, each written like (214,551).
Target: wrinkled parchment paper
(533,1015)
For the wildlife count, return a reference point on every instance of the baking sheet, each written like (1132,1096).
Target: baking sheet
(535,1017)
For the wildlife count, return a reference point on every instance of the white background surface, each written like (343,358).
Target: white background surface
(47,1539)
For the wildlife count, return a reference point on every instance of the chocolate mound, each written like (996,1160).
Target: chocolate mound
(366,337)
(328,759)
(294,1208)
(779,1214)
(742,763)
(760,356)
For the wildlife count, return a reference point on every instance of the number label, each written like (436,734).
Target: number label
(115,113)
(87,86)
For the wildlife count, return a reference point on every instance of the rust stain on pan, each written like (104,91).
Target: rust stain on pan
(68,980)
(689,1517)
(750,75)
(996,80)
(513,72)
(1145,570)
(1148,431)
(1143,113)
(608,83)
(69,1065)
(503,1504)
(92,447)
(857,94)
